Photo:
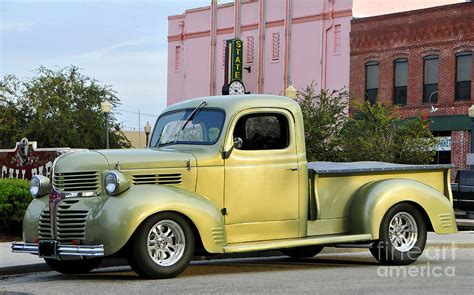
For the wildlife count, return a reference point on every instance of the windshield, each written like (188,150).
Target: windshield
(204,128)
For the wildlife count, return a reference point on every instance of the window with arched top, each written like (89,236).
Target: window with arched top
(371,81)
(463,75)
(430,78)
(400,81)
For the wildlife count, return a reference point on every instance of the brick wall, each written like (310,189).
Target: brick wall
(443,31)
(460,146)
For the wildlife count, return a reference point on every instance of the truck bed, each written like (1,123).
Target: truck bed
(334,185)
(368,166)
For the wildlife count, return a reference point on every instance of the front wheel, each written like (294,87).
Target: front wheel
(73,266)
(162,247)
(302,252)
(402,236)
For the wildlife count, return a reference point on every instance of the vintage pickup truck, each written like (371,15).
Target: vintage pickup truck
(224,175)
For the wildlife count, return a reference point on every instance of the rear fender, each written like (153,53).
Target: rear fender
(374,199)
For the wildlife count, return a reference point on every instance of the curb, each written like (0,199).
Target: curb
(43,267)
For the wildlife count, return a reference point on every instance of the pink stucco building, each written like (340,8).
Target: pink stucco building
(310,46)
(285,42)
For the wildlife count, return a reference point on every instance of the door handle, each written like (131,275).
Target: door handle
(292,169)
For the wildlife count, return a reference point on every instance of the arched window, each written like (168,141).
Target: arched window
(463,75)
(400,81)
(430,78)
(371,81)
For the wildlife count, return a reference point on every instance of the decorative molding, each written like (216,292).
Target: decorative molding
(254,26)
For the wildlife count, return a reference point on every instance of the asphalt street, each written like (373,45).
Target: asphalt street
(438,271)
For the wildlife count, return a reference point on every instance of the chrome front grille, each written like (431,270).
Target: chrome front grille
(86,181)
(70,224)
(44,226)
(169,178)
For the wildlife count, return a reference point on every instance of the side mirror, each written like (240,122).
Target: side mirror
(238,143)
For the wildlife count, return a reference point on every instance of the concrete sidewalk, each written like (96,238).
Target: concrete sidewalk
(20,263)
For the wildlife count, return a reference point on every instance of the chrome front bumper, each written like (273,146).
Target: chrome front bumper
(61,249)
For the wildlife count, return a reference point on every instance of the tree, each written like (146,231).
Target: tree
(415,142)
(376,133)
(324,115)
(57,108)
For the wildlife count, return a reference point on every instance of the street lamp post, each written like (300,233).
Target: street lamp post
(433,109)
(291,92)
(471,115)
(147,132)
(106,107)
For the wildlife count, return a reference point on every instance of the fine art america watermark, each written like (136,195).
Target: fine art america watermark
(433,268)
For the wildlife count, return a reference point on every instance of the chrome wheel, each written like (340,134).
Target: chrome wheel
(166,242)
(403,231)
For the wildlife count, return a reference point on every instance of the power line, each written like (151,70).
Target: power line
(136,113)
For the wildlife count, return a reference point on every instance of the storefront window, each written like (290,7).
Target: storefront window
(463,75)
(430,83)
(443,147)
(400,81)
(371,81)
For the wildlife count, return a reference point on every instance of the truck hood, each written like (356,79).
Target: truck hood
(147,158)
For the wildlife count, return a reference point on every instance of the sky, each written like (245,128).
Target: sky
(122,43)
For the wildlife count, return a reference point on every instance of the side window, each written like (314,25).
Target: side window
(265,131)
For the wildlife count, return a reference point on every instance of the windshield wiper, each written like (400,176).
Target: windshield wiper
(188,119)
(193,113)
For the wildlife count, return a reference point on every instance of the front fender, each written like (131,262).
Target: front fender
(374,199)
(31,219)
(118,217)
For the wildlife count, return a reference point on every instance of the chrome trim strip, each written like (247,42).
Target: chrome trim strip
(63,250)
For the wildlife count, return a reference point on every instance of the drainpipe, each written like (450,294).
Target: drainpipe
(237,18)
(212,78)
(288,31)
(325,59)
(321,44)
(261,44)
(183,59)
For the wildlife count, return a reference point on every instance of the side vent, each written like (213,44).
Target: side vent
(169,179)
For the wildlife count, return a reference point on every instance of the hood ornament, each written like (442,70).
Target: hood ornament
(188,165)
(117,166)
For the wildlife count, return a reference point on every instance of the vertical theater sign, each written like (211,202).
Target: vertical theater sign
(233,73)
(26,160)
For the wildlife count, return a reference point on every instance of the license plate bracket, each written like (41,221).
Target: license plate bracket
(48,248)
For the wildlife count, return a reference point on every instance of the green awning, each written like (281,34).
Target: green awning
(449,123)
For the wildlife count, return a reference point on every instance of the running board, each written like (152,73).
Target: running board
(299,242)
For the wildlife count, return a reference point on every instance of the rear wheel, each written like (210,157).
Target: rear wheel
(162,247)
(302,252)
(73,266)
(402,236)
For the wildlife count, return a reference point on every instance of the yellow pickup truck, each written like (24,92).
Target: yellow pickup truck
(228,174)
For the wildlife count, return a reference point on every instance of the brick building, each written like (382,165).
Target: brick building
(421,60)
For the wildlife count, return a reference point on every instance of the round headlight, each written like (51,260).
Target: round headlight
(35,186)
(111,183)
(39,186)
(115,183)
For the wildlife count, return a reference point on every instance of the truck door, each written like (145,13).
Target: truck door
(261,177)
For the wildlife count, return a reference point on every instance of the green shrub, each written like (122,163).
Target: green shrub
(14,199)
